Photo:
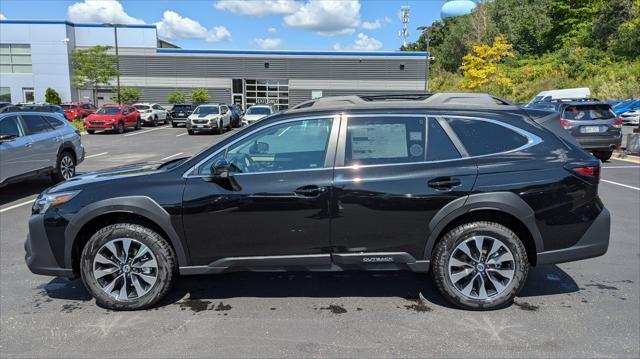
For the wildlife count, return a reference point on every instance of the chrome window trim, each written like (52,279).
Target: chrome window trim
(334,118)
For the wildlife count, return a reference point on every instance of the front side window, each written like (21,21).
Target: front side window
(484,137)
(382,140)
(36,124)
(9,126)
(296,145)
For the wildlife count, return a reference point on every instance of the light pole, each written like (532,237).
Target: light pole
(115,37)
(425,29)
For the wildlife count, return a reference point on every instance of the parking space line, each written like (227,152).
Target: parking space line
(172,156)
(146,131)
(16,206)
(96,155)
(182,134)
(621,184)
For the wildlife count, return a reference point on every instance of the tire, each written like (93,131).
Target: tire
(452,281)
(65,167)
(151,291)
(191,132)
(154,123)
(120,128)
(91,132)
(138,124)
(220,129)
(173,124)
(603,156)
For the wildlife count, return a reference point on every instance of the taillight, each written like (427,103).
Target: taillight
(618,123)
(565,124)
(590,172)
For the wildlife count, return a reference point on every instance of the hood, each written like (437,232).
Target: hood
(110,174)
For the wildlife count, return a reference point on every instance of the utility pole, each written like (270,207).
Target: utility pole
(115,38)
(425,29)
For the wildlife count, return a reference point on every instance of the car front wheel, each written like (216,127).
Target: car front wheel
(480,266)
(128,266)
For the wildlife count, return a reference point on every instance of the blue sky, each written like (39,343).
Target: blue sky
(251,24)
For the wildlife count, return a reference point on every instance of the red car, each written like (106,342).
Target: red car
(78,110)
(113,118)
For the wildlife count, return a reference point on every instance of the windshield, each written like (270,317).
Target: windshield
(207,110)
(142,107)
(68,107)
(258,111)
(108,111)
(588,112)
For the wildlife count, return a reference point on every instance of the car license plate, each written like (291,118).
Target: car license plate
(180,113)
(590,129)
(197,126)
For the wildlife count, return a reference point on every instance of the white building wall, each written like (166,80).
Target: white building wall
(134,36)
(49,59)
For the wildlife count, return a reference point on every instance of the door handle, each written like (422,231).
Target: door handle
(310,191)
(444,183)
(28,144)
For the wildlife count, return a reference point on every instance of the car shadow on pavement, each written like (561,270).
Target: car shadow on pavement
(23,189)
(543,280)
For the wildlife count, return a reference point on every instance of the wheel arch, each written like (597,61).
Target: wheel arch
(136,209)
(68,147)
(505,208)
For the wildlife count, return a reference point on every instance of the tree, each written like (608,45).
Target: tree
(93,67)
(176,97)
(571,22)
(52,96)
(199,95)
(480,67)
(128,95)
(627,40)
(524,23)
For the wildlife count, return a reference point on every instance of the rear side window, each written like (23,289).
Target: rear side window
(9,126)
(588,112)
(439,145)
(36,124)
(54,121)
(483,137)
(381,140)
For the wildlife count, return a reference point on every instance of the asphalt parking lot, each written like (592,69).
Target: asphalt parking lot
(589,308)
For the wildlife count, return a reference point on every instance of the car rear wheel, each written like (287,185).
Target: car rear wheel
(480,266)
(603,155)
(66,167)
(128,266)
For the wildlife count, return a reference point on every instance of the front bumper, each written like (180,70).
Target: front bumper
(202,126)
(100,126)
(38,253)
(593,243)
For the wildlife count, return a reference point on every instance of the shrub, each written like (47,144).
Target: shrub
(52,96)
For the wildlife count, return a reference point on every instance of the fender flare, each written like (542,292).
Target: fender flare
(139,205)
(66,145)
(507,202)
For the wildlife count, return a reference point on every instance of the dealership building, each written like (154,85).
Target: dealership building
(36,55)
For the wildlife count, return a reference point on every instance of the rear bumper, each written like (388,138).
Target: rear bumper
(593,243)
(38,254)
(604,143)
(179,119)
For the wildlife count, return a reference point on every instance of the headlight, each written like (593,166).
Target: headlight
(45,201)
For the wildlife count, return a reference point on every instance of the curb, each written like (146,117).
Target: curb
(626,158)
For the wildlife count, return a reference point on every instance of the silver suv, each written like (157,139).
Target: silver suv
(36,143)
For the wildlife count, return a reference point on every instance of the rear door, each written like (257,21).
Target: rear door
(393,174)
(44,142)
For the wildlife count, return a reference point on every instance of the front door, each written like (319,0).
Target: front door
(14,154)
(275,201)
(393,174)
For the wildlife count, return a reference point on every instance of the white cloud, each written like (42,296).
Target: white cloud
(268,43)
(272,30)
(259,7)
(175,26)
(372,25)
(326,17)
(2,17)
(362,42)
(100,11)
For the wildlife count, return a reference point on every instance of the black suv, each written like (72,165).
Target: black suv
(180,112)
(467,186)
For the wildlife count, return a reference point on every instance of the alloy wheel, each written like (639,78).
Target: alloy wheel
(125,269)
(67,167)
(481,267)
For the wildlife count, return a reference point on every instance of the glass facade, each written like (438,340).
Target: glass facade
(15,58)
(273,92)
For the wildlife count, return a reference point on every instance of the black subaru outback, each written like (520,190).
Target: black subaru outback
(466,186)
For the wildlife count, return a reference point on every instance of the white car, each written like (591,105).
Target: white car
(152,113)
(256,113)
(631,117)
(210,118)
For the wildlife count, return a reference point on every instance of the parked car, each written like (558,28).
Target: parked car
(152,113)
(257,112)
(4,105)
(629,112)
(180,112)
(474,191)
(37,143)
(116,118)
(35,107)
(573,93)
(236,115)
(209,118)
(78,110)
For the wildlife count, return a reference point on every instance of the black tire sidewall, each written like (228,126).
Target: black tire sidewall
(454,237)
(58,177)
(165,257)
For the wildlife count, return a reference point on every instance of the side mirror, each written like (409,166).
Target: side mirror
(7,138)
(259,148)
(220,168)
